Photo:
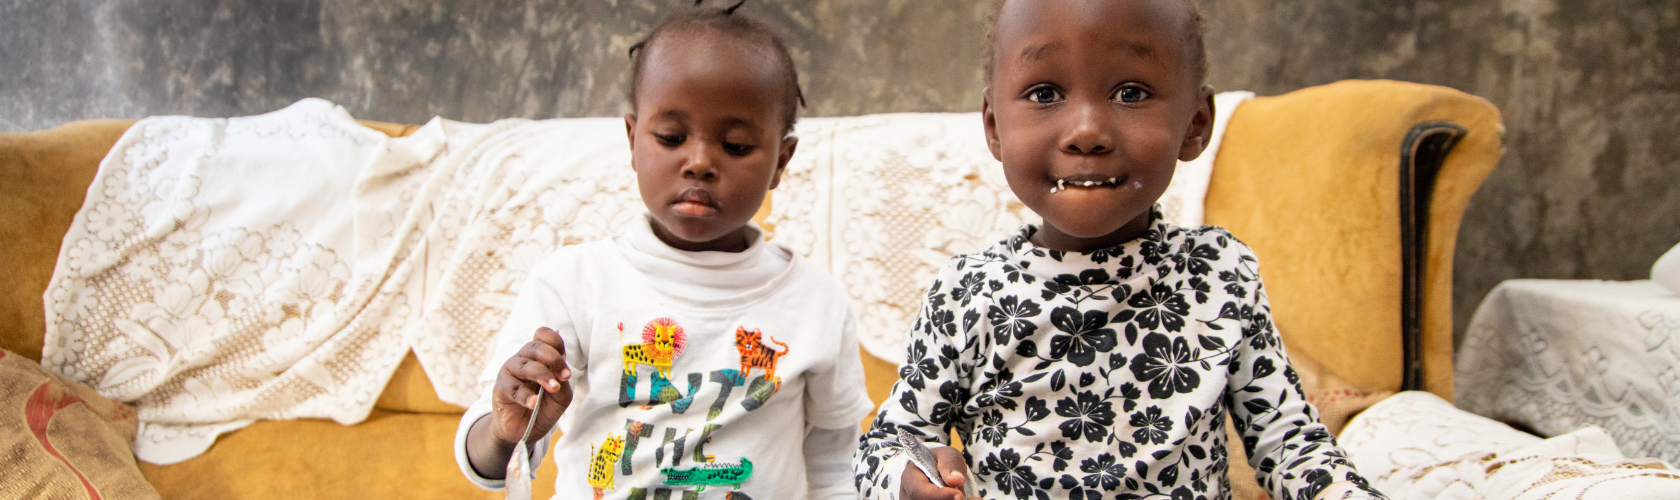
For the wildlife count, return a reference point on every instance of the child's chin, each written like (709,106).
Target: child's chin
(1086,222)
(695,230)
(1090,232)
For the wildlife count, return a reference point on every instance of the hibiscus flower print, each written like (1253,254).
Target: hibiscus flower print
(1259,332)
(1163,364)
(1159,306)
(1102,472)
(993,429)
(944,410)
(1010,476)
(968,287)
(1088,416)
(1016,274)
(1083,335)
(1012,318)
(1002,390)
(944,322)
(919,365)
(935,300)
(1152,427)
(1201,259)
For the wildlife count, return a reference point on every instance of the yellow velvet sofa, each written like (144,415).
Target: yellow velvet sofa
(1350,193)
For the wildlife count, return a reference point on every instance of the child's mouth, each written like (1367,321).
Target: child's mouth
(1085,181)
(695,202)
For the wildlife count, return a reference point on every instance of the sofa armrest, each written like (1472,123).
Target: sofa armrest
(1351,194)
(46,177)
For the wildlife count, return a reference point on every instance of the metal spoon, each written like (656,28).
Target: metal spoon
(519,467)
(923,458)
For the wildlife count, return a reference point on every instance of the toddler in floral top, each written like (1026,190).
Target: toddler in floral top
(1098,354)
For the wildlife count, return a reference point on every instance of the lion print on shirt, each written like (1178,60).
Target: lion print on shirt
(662,341)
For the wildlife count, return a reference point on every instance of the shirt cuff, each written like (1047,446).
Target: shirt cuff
(892,470)
(1346,490)
(480,409)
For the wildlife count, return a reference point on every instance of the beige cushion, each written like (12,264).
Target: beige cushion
(60,439)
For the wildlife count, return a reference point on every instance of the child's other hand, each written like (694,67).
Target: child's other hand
(952,468)
(539,365)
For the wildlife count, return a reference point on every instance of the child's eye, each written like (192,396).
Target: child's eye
(737,149)
(1131,95)
(670,140)
(1044,95)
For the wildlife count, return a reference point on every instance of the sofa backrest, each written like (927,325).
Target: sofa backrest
(1323,184)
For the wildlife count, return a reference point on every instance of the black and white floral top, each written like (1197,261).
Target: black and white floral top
(1106,375)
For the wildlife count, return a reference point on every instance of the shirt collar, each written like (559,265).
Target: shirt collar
(1146,249)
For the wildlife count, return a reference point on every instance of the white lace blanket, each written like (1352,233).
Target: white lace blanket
(1554,355)
(279,266)
(211,277)
(1417,446)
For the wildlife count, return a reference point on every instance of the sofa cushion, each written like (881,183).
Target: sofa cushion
(60,439)
(390,455)
(409,391)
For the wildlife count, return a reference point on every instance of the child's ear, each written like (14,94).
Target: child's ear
(1201,127)
(990,120)
(782,156)
(630,129)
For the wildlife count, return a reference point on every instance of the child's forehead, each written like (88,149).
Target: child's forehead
(706,65)
(1023,25)
(685,43)
(714,60)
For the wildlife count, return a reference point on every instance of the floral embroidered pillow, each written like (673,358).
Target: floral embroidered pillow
(60,439)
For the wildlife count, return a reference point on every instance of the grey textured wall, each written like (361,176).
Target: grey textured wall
(1590,89)
(409,60)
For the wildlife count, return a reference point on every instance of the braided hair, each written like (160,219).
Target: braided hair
(722,21)
(1196,30)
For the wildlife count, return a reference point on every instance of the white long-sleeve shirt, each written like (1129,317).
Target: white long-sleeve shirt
(706,416)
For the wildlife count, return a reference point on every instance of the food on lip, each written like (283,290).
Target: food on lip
(1062,184)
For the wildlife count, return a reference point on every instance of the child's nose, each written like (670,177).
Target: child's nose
(701,162)
(1091,132)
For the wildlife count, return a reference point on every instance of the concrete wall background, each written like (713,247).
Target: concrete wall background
(1590,90)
